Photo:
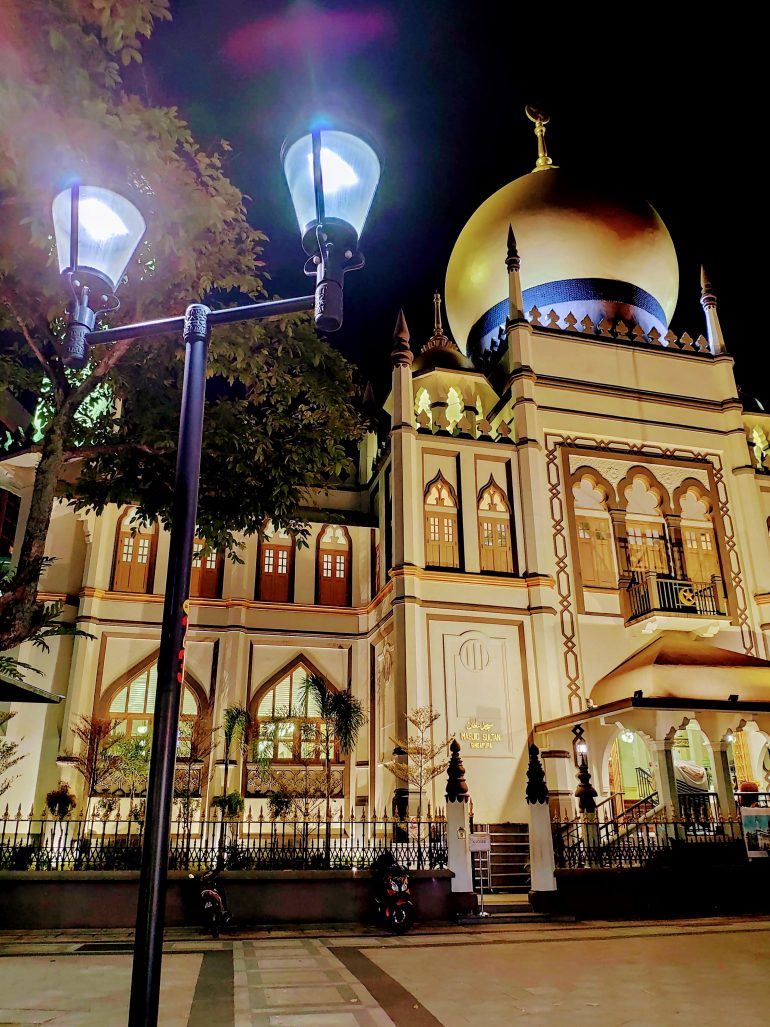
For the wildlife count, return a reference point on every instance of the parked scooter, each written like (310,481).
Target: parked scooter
(213,905)
(392,895)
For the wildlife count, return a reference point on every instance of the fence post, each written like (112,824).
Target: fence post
(458,829)
(542,867)
(585,793)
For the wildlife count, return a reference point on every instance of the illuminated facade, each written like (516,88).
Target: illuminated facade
(561,534)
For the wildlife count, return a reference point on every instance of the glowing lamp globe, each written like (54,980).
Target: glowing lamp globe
(97,232)
(332,177)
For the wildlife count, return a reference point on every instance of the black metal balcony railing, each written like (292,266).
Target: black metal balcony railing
(652,593)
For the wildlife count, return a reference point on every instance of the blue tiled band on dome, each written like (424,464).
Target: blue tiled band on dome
(570,290)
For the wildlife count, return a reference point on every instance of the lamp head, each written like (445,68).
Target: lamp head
(97,232)
(332,177)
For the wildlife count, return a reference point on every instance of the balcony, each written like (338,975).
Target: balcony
(659,601)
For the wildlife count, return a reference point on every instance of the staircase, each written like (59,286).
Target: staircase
(506,867)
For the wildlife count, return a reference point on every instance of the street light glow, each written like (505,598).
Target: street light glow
(101,223)
(337,173)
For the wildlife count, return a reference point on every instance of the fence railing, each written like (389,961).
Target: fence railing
(251,844)
(589,843)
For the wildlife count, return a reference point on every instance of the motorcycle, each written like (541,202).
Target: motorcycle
(393,897)
(213,905)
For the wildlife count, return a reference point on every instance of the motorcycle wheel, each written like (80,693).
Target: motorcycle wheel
(401,919)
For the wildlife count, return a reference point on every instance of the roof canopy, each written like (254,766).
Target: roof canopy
(18,691)
(677,666)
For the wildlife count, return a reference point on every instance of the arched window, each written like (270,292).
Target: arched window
(593,528)
(206,573)
(288,721)
(9,518)
(333,570)
(133,704)
(134,555)
(495,530)
(275,568)
(699,541)
(645,527)
(441,536)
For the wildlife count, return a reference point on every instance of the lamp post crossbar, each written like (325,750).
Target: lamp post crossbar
(196,327)
(263,311)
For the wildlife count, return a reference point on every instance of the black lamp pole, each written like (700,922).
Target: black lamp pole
(332,246)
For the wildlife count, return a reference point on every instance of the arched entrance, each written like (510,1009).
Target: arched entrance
(630,770)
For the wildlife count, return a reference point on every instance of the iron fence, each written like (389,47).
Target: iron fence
(587,842)
(43,843)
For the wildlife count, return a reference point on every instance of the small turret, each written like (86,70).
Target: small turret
(709,303)
(513,265)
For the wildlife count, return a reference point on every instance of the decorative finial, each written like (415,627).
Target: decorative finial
(537,790)
(437,326)
(585,793)
(401,355)
(707,297)
(540,120)
(456,785)
(512,260)
(439,340)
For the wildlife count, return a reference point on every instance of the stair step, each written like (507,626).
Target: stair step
(504,918)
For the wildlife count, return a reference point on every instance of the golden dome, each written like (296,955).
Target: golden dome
(586,246)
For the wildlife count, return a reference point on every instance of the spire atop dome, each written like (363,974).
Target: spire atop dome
(540,120)
(440,350)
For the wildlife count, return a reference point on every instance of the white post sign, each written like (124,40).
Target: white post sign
(481,841)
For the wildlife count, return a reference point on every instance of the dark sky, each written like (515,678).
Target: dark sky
(672,107)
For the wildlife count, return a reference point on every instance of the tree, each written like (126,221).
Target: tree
(9,754)
(134,754)
(97,759)
(421,766)
(235,724)
(196,743)
(342,717)
(279,417)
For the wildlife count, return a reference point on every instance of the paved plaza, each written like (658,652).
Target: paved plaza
(631,974)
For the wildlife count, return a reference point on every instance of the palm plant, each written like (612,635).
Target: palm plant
(134,753)
(235,725)
(196,742)
(342,716)
(97,758)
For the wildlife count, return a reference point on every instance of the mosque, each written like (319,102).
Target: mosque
(559,534)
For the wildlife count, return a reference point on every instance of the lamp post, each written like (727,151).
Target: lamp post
(332,177)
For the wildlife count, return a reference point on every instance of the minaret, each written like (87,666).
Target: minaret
(709,303)
(513,264)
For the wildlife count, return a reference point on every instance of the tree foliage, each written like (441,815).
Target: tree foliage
(279,405)
(9,755)
(422,753)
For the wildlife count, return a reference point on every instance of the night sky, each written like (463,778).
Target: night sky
(441,88)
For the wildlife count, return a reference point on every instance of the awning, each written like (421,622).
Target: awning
(678,666)
(18,691)
(641,702)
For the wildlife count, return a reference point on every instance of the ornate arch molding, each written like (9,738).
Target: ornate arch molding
(640,471)
(301,660)
(439,477)
(102,704)
(496,487)
(587,471)
(697,486)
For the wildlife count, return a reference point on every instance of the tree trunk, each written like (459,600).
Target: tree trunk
(20,609)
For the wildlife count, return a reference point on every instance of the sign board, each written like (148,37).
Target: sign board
(480,841)
(756,831)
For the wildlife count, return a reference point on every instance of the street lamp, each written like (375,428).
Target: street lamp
(332,177)
(97,232)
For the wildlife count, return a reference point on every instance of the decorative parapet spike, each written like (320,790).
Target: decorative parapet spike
(585,793)
(401,355)
(456,785)
(620,331)
(537,790)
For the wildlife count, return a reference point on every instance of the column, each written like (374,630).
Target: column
(723,780)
